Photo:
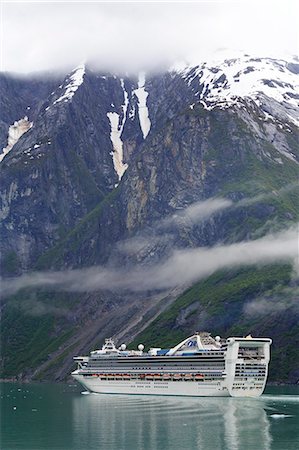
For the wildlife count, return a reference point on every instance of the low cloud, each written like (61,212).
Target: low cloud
(182,267)
(197,212)
(161,232)
(267,195)
(138,244)
(37,308)
(285,299)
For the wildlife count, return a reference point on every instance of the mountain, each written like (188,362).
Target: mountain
(123,172)
(271,84)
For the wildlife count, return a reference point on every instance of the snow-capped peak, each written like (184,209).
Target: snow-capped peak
(260,79)
(73,82)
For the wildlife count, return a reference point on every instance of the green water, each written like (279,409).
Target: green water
(59,417)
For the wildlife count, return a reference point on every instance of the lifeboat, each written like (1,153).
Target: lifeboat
(177,376)
(111,376)
(157,376)
(149,376)
(188,376)
(166,376)
(198,376)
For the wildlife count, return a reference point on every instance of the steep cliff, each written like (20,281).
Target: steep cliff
(122,172)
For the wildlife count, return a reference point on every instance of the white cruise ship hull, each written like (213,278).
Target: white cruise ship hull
(184,388)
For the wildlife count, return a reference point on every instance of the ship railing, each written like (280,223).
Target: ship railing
(169,370)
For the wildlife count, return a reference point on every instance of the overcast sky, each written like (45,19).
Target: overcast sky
(131,36)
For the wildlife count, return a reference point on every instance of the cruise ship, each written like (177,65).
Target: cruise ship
(198,366)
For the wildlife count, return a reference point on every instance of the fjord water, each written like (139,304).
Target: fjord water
(59,417)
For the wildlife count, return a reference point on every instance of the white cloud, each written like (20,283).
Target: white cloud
(128,36)
(197,212)
(282,300)
(160,233)
(182,267)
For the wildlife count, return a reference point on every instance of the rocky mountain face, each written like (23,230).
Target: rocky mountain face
(118,171)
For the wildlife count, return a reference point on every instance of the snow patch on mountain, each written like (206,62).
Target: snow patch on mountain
(15,131)
(224,83)
(117,127)
(288,155)
(28,151)
(73,82)
(117,143)
(143,113)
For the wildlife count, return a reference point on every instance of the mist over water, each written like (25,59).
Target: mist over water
(50,417)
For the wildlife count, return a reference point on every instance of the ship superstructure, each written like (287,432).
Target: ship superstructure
(198,366)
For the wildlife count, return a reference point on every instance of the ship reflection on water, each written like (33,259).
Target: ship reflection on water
(121,422)
(41,416)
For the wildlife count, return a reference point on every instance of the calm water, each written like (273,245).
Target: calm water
(59,417)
